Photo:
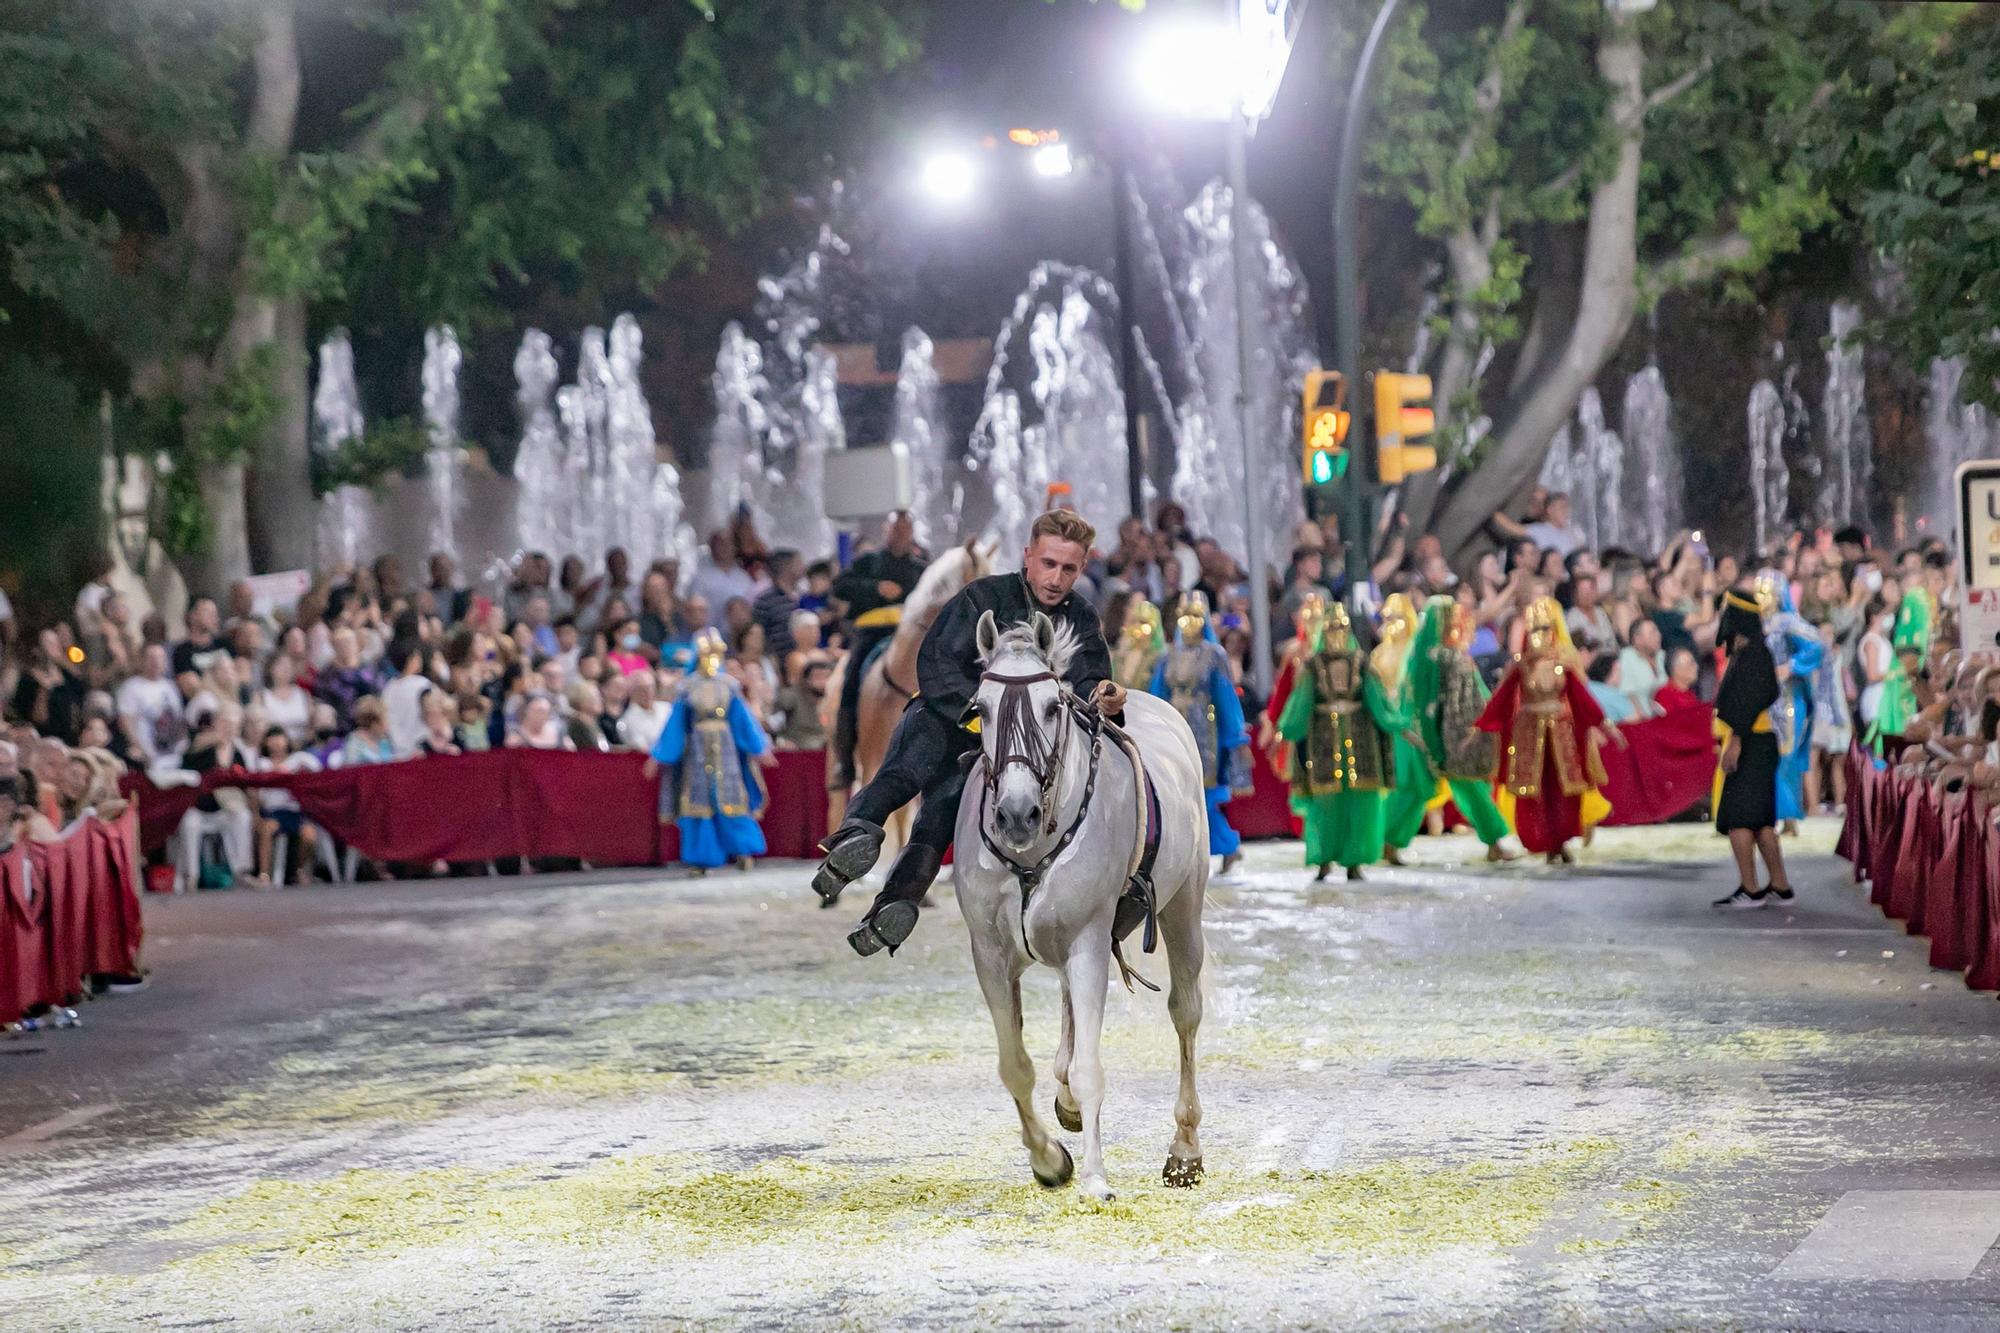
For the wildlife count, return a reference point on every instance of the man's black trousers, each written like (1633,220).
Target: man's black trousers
(923,759)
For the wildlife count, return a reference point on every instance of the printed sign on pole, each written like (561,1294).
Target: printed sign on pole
(1979,553)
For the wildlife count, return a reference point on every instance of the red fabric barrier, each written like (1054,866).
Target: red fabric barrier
(1934,862)
(504,803)
(1666,765)
(1939,890)
(69,909)
(1984,971)
(1266,812)
(116,925)
(24,970)
(795,820)
(61,870)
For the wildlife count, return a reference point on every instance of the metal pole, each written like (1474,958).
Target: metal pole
(1347,312)
(1128,323)
(1242,267)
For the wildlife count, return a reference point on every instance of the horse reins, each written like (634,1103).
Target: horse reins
(1017,740)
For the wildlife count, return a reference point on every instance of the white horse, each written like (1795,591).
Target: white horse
(1047,836)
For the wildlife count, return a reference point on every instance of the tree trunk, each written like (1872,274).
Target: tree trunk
(281,508)
(1607,303)
(1558,265)
(258,320)
(1471,254)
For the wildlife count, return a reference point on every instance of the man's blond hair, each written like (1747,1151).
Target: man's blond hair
(1064,525)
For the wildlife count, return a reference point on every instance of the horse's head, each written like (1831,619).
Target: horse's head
(1024,724)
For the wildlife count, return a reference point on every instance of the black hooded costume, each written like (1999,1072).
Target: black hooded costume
(1749,687)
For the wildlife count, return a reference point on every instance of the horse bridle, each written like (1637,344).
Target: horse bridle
(1011,745)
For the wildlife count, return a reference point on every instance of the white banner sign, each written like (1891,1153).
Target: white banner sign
(278,592)
(1979,553)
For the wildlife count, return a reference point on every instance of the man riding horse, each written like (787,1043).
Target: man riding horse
(873,588)
(931,739)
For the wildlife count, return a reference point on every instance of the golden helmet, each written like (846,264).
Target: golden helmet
(1544,619)
(709,651)
(1399,619)
(1338,632)
(1311,616)
(1460,628)
(1767,594)
(1142,622)
(1192,617)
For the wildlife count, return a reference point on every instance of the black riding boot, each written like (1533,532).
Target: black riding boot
(851,851)
(894,915)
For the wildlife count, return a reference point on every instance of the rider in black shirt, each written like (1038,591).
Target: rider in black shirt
(930,740)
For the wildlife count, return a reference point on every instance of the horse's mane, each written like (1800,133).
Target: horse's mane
(942,579)
(1022,638)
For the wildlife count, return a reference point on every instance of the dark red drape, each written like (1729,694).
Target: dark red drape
(1934,860)
(1666,765)
(69,909)
(482,807)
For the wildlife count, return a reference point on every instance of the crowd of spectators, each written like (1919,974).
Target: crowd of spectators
(371,667)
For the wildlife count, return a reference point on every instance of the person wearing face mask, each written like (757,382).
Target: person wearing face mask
(623,652)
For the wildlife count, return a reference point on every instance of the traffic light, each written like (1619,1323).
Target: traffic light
(1326,422)
(1402,414)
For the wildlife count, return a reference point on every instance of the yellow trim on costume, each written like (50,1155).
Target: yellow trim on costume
(882,617)
(1742,603)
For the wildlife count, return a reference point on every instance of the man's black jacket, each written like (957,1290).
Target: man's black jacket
(857,586)
(948,662)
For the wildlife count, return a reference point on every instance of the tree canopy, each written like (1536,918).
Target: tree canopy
(185,188)
(1685,147)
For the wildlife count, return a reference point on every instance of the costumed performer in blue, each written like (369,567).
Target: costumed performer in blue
(1194,677)
(1796,651)
(710,750)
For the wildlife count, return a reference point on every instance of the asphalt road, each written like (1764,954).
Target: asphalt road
(1450,1097)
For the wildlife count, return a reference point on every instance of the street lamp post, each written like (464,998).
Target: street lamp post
(1123,275)
(1231,72)
(1242,261)
(1354,523)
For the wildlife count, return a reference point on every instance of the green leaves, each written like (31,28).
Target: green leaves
(1916,153)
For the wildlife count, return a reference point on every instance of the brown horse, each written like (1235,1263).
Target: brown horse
(892,681)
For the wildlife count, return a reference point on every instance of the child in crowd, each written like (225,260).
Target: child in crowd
(278,810)
(1833,724)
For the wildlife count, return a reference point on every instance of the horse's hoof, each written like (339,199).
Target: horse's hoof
(1063,1172)
(1182,1173)
(1069,1117)
(1099,1189)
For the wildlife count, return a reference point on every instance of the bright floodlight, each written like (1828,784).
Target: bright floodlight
(1052,159)
(948,177)
(1191,69)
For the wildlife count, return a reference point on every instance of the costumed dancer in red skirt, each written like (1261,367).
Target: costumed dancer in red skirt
(1547,721)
